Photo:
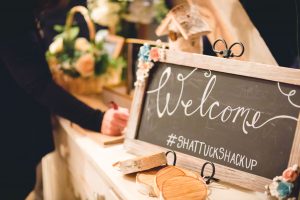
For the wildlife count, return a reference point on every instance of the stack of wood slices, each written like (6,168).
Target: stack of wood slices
(156,178)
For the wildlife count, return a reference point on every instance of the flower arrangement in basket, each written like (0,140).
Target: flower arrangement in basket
(78,65)
(110,12)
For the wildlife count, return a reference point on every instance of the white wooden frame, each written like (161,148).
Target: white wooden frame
(248,69)
(118,41)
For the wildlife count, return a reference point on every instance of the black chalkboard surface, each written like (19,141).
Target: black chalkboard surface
(242,116)
(241,122)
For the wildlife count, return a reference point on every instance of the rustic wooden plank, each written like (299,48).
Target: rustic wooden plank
(141,41)
(295,152)
(243,68)
(136,107)
(142,163)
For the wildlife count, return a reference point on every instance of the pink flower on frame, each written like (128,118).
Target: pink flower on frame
(154,54)
(290,174)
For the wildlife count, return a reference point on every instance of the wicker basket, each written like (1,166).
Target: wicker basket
(80,85)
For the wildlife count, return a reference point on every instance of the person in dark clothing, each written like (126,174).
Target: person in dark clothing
(28,96)
(58,17)
(278,24)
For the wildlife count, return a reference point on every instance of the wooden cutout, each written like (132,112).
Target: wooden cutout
(185,28)
(187,20)
(146,180)
(165,174)
(191,173)
(99,138)
(183,187)
(170,172)
(142,163)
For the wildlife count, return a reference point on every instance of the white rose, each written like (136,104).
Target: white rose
(82,44)
(101,35)
(56,46)
(106,14)
(98,14)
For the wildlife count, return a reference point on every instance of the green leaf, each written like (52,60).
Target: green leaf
(73,33)
(69,47)
(118,63)
(102,65)
(77,54)
(48,54)
(61,35)
(99,45)
(59,28)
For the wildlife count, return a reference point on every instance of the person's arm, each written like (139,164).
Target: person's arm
(26,62)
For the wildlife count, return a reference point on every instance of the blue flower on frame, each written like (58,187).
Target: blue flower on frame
(284,189)
(144,52)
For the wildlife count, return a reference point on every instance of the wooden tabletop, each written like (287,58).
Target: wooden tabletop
(103,159)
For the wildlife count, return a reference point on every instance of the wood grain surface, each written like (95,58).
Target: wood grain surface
(183,187)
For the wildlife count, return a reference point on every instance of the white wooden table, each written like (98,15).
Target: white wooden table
(93,177)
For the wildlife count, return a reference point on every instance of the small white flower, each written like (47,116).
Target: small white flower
(106,14)
(101,35)
(56,46)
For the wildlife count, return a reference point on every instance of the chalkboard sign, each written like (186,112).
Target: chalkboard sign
(241,116)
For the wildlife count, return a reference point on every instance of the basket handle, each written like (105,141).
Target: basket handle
(85,13)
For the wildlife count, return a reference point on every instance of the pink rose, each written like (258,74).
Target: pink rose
(85,65)
(290,174)
(154,54)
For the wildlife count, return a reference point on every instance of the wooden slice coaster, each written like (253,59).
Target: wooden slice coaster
(183,187)
(170,172)
(165,174)
(145,182)
(191,173)
(142,163)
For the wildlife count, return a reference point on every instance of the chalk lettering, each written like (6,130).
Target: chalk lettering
(251,118)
